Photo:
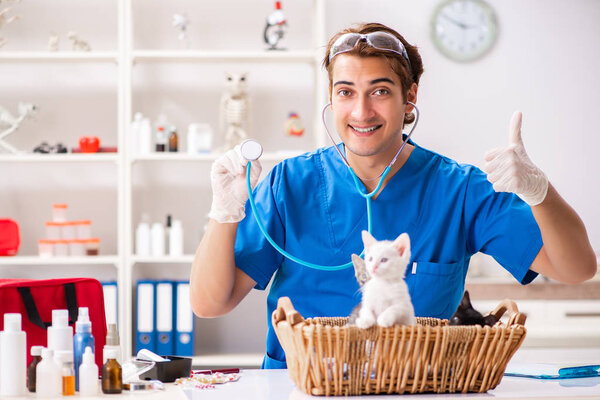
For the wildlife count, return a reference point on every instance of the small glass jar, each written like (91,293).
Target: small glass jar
(68,230)
(83,229)
(92,246)
(46,247)
(59,212)
(61,248)
(53,230)
(77,248)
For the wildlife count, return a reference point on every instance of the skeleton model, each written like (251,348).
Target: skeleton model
(9,124)
(5,20)
(78,44)
(235,109)
(53,42)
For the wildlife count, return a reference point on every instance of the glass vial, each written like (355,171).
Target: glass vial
(67,372)
(173,139)
(112,375)
(161,139)
(36,353)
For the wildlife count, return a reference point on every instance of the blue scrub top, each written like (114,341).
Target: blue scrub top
(310,206)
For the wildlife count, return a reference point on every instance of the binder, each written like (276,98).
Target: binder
(111,309)
(145,316)
(164,318)
(184,321)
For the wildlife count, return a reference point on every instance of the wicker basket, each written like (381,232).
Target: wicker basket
(327,357)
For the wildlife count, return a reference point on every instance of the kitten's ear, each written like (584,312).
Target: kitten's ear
(466,300)
(360,270)
(367,239)
(402,244)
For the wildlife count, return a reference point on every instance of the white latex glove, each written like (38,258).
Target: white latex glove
(511,170)
(228,181)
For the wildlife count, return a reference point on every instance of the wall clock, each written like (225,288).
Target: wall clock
(464,30)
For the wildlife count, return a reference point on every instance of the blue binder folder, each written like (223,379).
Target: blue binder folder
(144,330)
(184,321)
(164,318)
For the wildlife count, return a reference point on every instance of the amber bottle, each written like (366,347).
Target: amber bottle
(173,140)
(112,374)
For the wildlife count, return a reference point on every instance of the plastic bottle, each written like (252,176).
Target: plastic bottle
(145,137)
(13,357)
(157,233)
(48,376)
(142,237)
(67,372)
(176,238)
(112,343)
(88,374)
(134,130)
(112,374)
(168,234)
(36,353)
(82,339)
(60,334)
(199,138)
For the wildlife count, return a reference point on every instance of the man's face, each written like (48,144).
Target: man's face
(368,105)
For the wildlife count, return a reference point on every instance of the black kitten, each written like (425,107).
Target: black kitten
(466,315)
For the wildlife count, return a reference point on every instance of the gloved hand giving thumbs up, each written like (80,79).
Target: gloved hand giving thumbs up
(228,181)
(509,169)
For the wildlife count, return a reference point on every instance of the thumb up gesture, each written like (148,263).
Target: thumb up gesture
(509,168)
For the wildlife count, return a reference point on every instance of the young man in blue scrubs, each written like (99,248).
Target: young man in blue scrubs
(310,206)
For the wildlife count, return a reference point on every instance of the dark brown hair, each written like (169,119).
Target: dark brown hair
(408,74)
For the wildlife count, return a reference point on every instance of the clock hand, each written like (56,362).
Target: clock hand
(461,25)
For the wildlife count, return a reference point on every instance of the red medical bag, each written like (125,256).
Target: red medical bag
(35,300)
(9,237)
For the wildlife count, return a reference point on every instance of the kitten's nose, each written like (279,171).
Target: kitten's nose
(375,268)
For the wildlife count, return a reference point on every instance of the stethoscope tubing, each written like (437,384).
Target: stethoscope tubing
(357,183)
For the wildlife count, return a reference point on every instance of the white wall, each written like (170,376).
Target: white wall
(544,63)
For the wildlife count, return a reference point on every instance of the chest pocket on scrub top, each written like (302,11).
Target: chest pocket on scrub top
(435,288)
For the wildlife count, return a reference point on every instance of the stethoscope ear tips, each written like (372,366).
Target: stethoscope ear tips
(251,150)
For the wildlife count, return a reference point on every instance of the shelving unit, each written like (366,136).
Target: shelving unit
(126,58)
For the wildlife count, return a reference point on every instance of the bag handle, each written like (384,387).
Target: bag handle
(32,310)
(515,317)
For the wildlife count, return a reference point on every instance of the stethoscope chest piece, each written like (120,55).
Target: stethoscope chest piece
(251,150)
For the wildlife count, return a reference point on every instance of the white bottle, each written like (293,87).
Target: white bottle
(60,334)
(13,359)
(88,374)
(112,343)
(157,233)
(176,238)
(145,137)
(48,377)
(142,238)
(134,131)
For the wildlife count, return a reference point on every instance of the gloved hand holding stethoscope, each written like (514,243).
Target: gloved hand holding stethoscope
(510,169)
(228,181)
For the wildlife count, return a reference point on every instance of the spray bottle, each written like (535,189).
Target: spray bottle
(83,338)
(13,363)
(112,342)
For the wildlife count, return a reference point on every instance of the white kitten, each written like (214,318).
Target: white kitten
(385,295)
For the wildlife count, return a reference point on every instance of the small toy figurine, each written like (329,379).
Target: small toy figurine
(234,110)
(5,20)
(275,27)
(53,42)
(12,123)
(78,44)
(180,22)
(293,126)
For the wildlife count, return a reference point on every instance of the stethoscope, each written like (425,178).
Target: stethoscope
(251,150)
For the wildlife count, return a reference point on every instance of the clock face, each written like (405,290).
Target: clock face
(463,30)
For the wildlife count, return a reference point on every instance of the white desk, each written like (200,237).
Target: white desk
(276,384)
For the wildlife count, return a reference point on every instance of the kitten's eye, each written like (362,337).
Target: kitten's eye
(371,258)
(383,260)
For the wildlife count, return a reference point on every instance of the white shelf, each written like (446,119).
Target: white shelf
(294,56)
(269,156)
(60,158)
(59,56)
(42,261)
(184,259)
